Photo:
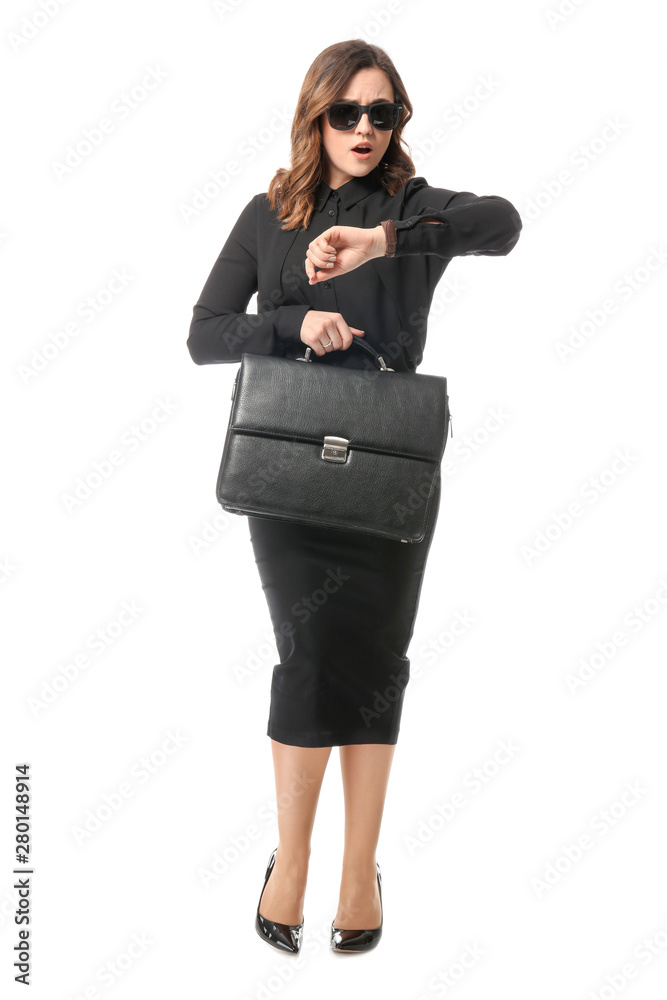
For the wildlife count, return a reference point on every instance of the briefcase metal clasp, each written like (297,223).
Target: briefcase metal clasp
(335,449)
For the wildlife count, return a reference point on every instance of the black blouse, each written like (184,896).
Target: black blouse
(388,298)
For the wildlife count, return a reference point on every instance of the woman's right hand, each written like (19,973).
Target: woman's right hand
(318,328)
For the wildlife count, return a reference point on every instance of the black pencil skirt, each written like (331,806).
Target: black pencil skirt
(343,606)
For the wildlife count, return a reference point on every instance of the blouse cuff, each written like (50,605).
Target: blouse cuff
(288,321)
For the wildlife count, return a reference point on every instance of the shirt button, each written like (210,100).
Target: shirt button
(327,284)
(408,223)
(331,211)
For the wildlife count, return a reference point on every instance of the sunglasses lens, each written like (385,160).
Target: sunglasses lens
(343,116)
(384,116)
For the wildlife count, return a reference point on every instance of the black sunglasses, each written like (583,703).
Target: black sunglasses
(344,115)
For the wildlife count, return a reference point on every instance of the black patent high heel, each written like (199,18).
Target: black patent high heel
(351,941)
(286,937)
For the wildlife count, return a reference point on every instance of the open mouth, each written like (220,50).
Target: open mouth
(362,149)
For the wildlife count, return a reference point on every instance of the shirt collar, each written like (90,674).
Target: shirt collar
(351,192)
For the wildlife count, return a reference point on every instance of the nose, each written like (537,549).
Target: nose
(364,124)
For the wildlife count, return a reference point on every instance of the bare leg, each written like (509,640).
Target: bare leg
(365,769)
(298,774)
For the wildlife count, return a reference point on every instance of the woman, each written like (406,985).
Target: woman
(347,241)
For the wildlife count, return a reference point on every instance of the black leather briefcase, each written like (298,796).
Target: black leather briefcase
(357,449)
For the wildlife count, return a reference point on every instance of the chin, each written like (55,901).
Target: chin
(356,168)
(364,166)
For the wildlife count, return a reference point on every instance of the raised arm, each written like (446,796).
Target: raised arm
(221,330)
(468,224)
(485,225)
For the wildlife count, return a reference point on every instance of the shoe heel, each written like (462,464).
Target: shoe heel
(285,937)
(350,942)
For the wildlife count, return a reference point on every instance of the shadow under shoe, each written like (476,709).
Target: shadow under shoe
(285,937)
(354,941)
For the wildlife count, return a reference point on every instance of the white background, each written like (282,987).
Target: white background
(494,878)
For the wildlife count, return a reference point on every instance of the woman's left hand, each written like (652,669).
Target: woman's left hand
(341,249)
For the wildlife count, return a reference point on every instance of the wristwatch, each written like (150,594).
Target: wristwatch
(390,236)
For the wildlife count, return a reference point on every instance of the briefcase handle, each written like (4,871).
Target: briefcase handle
(356,339)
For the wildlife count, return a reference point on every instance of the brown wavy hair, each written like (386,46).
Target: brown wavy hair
(293,190)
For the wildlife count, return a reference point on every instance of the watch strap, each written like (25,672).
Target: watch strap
(390,236)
